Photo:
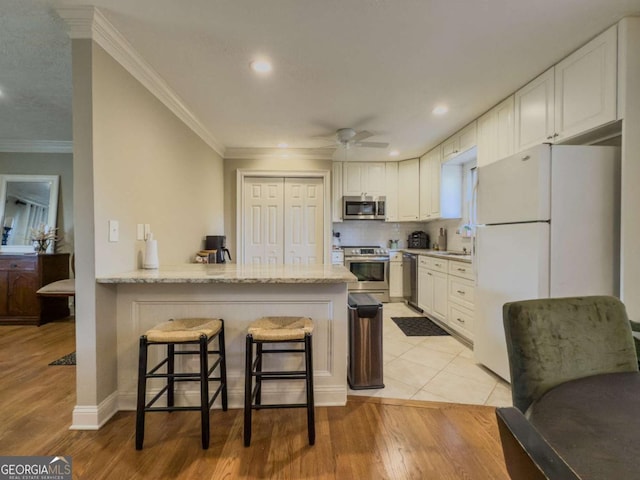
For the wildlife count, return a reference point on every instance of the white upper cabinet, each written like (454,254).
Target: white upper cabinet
(585,82)
(460,142)
(336,192)
(430,185)
(408,190)
(391,207)
(495,133)
(440,187)
(534,112)
(363,178)
(575,96)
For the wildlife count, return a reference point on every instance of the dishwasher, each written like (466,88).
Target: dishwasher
(410,279)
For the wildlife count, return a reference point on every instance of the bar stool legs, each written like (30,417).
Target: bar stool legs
(199,332)
(311,414)
(253,369)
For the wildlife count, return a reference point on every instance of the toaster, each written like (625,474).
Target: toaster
(418,240)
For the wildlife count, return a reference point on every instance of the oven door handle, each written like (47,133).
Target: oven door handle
(367,259)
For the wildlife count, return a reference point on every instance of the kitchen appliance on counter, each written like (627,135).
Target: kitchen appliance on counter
(371,267)
(219,243)
(548,227)
(363,208)
(418,240)
(410,279)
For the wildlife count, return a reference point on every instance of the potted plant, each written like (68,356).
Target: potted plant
(42,237)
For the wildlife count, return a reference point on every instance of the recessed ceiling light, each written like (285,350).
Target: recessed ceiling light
(261,66)
(440,110)
(283,145)
(394,153)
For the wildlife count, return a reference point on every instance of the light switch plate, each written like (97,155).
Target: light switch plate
(114,230)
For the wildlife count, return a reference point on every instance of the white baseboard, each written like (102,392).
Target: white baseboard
(324,397)
(92,417)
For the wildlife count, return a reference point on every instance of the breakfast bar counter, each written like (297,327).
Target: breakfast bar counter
(239,294)
(233,273)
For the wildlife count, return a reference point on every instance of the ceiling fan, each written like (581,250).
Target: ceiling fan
(348,137)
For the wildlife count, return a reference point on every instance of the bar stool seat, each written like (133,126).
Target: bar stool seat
(280,328)
(185,331)
(277,330)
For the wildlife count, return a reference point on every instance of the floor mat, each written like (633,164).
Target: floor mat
(418,327)
(69,359)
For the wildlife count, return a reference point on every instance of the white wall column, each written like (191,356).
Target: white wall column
(629,109)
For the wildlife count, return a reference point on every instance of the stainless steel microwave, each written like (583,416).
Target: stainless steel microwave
(363,208)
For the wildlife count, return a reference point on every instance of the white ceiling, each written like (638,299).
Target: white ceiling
(379,65)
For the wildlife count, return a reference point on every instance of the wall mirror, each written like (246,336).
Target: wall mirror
(28,202)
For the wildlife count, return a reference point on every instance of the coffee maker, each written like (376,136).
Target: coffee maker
(219,243)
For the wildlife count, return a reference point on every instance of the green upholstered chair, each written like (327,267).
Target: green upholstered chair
(635,330)
(555,340)
(575,385)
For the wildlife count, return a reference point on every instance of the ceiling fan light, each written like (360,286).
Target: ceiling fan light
(261,66)
(440,110)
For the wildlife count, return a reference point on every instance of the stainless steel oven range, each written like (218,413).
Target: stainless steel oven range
(371,266)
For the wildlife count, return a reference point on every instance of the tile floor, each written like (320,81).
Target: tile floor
(433,368)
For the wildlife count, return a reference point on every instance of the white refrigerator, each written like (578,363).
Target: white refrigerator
(548,226)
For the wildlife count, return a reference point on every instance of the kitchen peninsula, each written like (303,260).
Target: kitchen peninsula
(239,294)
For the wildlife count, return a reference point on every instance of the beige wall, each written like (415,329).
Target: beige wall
(231,166)
(60,164)
(134,162)
(148,168)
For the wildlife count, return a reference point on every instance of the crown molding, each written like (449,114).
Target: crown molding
(88,22)
(36,146)
(293,153)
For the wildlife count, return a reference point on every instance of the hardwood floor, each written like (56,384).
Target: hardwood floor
(370,438)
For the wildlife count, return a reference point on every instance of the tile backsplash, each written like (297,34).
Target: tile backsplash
(377,233)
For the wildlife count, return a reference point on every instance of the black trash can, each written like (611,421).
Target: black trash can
(365,342)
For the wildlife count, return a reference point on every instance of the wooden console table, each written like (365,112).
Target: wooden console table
(21,275)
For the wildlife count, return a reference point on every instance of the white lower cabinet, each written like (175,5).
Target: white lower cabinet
(461,294)
(440,297)
(395,275)
(432,287)
(446,292)
(425,289)
(460,319)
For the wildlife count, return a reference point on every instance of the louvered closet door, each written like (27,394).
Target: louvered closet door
(304,220)
(264,220)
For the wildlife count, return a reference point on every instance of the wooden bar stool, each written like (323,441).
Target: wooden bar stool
(185,331)
(277,330)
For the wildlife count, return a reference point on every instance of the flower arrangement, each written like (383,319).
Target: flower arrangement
(42,237)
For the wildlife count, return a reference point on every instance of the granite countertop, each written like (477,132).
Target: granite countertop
(439,254)
(234,273)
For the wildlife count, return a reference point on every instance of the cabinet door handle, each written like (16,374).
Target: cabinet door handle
(460,320)
(461,292)
(462,269)
(437,264)
(550,137)
(14,265)
(556,135)
(527,157)
(429,274)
